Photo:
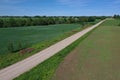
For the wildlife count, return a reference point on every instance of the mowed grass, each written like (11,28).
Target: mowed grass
(95,58)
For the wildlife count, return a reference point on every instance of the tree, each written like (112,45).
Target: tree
(116,16)
(91,19)
(12,22)
(16,21)
(28,22)
(1,23)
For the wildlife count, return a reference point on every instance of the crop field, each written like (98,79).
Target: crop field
(19,43)
(59,40)
(45,70)
(36,37)
(95,58)
(27,36)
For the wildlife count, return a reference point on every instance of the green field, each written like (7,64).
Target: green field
(29,36)
(45,70)
(95,58)
(36,37)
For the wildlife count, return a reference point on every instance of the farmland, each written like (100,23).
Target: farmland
(46,69)
(92,56)
(59,40)
(28,36)
(95,58)
(35,37)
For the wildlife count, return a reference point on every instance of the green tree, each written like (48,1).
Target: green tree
(28,22)
(12,22)
(91,19)
(1,23)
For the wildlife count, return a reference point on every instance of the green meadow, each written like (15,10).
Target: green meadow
(28,36)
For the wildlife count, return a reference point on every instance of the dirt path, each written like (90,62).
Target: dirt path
(96,58)
(15,70)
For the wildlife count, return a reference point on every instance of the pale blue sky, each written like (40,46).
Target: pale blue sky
(59,7)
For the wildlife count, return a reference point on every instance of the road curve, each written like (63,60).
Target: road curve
(19,68)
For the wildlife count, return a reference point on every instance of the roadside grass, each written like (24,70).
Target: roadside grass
(46,69)
(57,35)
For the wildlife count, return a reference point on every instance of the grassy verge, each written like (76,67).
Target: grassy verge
(45,70)
(11,58)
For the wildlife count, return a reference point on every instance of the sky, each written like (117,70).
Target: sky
(59,7)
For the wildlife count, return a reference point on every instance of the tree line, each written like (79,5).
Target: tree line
(19,21)
(116,16)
